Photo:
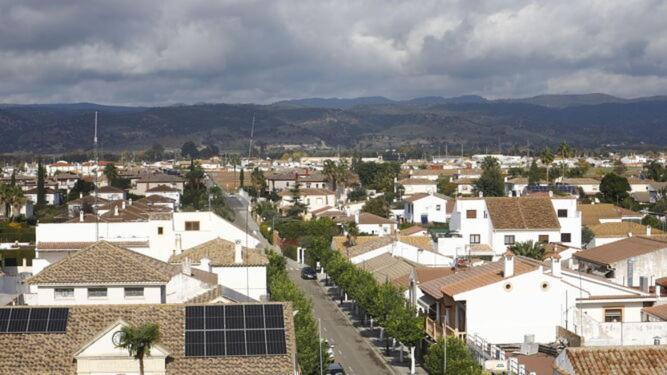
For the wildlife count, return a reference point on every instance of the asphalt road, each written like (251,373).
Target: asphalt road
(350,349)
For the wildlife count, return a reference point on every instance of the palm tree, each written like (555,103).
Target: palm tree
(234,160)
(5,193)
(529,249)
(352,231)
(138,341)
(330,170)
(547,157)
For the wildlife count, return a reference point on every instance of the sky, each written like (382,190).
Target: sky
(171,51)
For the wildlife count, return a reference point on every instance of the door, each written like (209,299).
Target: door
(424,219)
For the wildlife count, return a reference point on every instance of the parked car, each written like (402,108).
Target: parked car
(335,369)
(308,273)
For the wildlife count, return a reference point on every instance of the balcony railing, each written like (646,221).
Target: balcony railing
(436,330)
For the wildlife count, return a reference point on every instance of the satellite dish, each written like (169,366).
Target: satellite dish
(117,338)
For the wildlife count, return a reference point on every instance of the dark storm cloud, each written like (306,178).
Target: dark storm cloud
(162,52)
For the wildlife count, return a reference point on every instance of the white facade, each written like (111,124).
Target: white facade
(479,230)
(430,209)
(165,237)
(427,186)
(116,295)
(247,280)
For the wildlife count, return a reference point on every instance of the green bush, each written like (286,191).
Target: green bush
(459,359)
(290,252)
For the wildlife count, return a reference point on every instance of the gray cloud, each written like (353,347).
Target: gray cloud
(169,51)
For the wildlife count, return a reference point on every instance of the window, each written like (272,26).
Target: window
(160,230)
(566,237)
(474,238)
(543,238)
(613,315)
(97,292)
(471,214)
(134,292)
(562,213)
(191,225)
(509,239)
(437,207)
(63,293)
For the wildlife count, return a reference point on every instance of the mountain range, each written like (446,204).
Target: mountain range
(369,123)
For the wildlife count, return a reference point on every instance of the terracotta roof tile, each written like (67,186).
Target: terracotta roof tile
(659,311)
(369,218)
(522,213)
(221,253)
(622,249)
(637,360)
(621,229)
(52,353)
(592,213)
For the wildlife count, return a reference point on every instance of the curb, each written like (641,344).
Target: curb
(373,348)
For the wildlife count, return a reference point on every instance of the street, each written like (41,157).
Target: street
(350,349)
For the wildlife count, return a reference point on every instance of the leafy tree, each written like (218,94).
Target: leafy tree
(41,190)
(491,182)
(547,157)
(139,340)
(189,150)
(587,235)
(81,187)
(377,206)
(378,176)
(114,179)
(155,153)
(655,170)
(564,150)
(445,186)
(619,168)
(209,151)
(297,208)
(459,359)
(194,192)
(614,188)
(653,221)
(408,328)
(516,172)
(258,181)
(534,174)
(529,249)
(357,194)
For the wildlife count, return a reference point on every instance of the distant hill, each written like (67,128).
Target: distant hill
(374,123)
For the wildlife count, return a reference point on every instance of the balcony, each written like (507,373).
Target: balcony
(436,330)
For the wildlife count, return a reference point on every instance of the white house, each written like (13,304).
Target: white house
(240,270)
(52,197)
(601,213)
(417,250)
(488,226)
(314,199)
(516,187)
(157,234)
(111,193)
(167,192)
(418,185)
(590,186)
(499,301)
(612,232)
(105,273)
(426,208)
(149,181)
(373,224)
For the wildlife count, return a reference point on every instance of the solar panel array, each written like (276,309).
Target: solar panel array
(33,320)
(234,330)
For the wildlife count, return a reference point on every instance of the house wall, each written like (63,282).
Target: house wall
(465,227)
(183,287)
(111,196)
(377,229)
(501,316)
(250,281)
(570,224)
(410,189)
(433,207)
(115,295)
(651,265)
(498,238)
(315,202)
(426,258)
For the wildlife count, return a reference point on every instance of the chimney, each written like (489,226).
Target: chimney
(551,194)
(179,244)
(205,264)
(629,234)
(508,269)
(238,252)
(130,201)
(81,215)
(648,230)
(356,216)
(555,265)
(480,194)
(115,211)
(658,291)
(123,204)
(186,267)
(80,195)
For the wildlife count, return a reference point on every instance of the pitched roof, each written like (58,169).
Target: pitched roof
(474,277)
(386,267)
(36,191)
(106,263)
(221,253)
(411,230)
(307,191)
(156,198)
(369,218)
(89,199)
(110,189)
(522,213)
(622,249)
(417,181)
(162,189)
(613,360)
(159,177)
(424,275)
(418,196)
(53,353)
(61,245)
(592,213)
(365,244)
(659,311)
(621,229)
(581,181)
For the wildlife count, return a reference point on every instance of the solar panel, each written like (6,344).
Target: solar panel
(39,318)
(234,330)
(33,320)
